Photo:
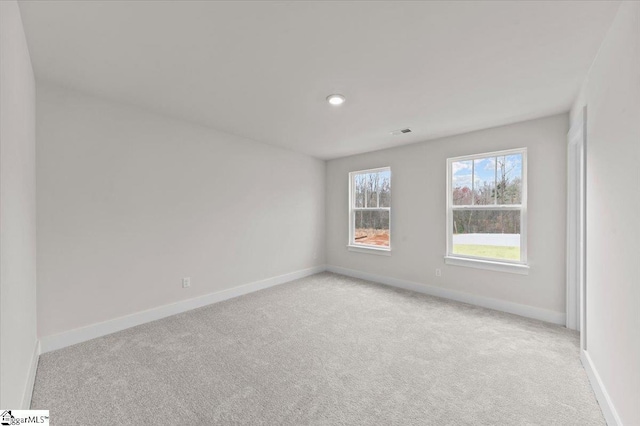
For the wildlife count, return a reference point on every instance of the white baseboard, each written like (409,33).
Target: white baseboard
(78,335)
(608,410)
(486,302)
(31,379)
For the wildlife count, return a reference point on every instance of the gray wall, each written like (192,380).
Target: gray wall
(612,96)
(418,213)
(130,202)
(17,210)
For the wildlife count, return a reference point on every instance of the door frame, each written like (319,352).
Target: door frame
(576,226)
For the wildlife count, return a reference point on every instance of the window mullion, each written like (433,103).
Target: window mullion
(488,207)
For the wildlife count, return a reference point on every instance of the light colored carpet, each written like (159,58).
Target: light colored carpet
(326,349)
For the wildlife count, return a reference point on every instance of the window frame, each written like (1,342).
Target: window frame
(521,266)
(351,244)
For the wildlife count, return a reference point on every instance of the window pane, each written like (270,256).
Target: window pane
(509,182)
(372,227)
(484,179)
(373,189)
(461,178)
(492,234)
(359,190)
(385,188)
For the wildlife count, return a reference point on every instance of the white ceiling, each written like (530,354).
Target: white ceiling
(263,69)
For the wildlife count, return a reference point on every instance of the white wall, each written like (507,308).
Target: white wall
(130,202)
(612,95)
(418,214)
(17,211)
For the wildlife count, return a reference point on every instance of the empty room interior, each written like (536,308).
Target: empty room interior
(320,212)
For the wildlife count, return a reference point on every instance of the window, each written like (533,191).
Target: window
(487,210)
(370,209)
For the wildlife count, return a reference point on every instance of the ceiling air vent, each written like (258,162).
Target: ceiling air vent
(401,131)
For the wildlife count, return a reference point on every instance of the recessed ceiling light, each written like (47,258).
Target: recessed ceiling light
(336,99)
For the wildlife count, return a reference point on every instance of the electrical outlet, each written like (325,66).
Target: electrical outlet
(186,282)
(438,272)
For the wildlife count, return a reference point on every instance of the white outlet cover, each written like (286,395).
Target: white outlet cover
(186,282)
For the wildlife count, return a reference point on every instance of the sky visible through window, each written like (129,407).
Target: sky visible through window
(484,171)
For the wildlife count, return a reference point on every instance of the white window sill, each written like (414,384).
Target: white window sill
(370,250)
(491,265)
